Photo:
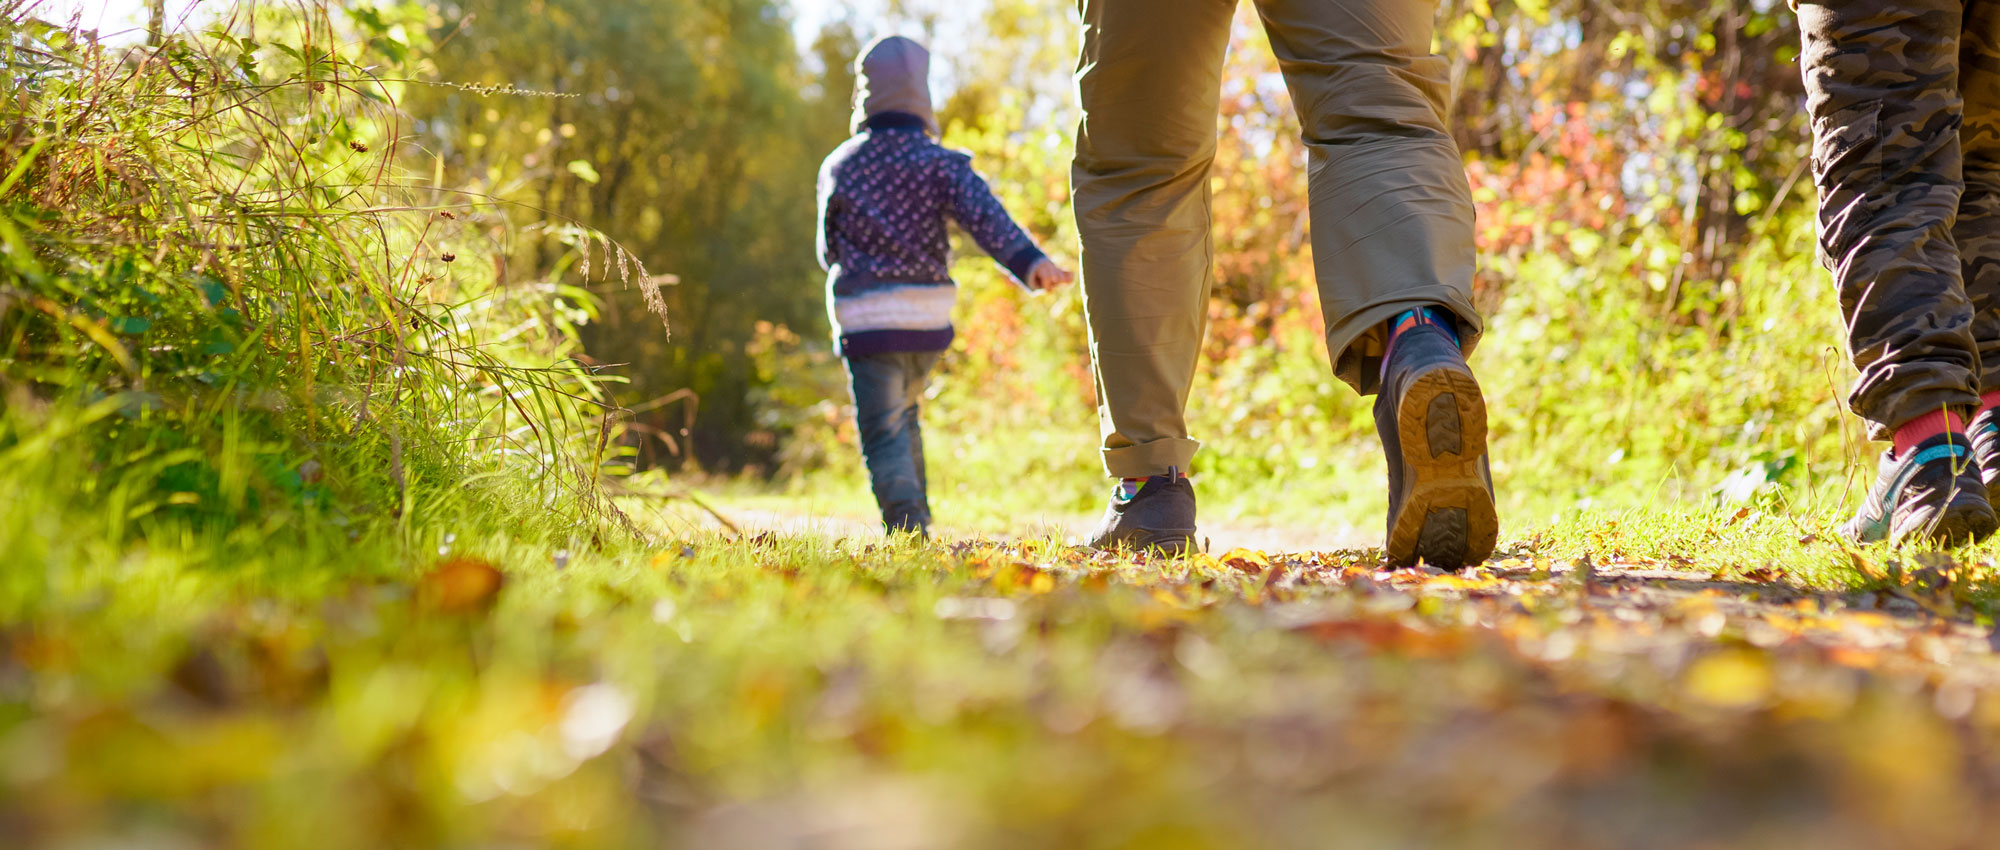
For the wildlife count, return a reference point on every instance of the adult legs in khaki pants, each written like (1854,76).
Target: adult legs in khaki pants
(1391,208)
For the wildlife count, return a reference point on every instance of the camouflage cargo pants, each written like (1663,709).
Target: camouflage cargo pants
(1904,97)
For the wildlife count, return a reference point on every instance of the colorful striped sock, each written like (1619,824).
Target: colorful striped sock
(1408,319)
(1128,488)
(1909,434)
(1427,316)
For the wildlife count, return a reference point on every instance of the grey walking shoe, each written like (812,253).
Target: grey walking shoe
(1432,419)
(1159,517)
(1933,495)
(1984,434)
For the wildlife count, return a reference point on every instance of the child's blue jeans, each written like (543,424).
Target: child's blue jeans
(887,388)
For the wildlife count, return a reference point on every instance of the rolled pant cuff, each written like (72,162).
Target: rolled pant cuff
(1151,458)
(1355,341)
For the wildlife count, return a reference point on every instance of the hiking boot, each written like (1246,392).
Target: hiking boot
(1159,517)
(1984,435)
(1932,494)
(1432,419)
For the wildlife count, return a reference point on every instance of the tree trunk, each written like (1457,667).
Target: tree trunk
(156,22)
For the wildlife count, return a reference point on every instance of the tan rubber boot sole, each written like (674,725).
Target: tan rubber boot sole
(1447,518)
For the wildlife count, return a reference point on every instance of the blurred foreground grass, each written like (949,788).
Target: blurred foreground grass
(1658,680)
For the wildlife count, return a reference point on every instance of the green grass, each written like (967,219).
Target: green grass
(225,333)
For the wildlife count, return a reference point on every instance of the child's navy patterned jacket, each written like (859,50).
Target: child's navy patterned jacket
(884,196)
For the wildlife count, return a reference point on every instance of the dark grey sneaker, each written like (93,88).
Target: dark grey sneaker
(1984,434)
(1159,517)
(1933,495)
(1432,419)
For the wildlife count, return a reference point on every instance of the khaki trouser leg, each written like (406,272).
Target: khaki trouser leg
(1150,79)
(1977,231)
(1391,207)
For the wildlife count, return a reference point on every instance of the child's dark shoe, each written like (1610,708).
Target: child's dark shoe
(1432,419)
(1159,517)
(908,524)
(1931,494)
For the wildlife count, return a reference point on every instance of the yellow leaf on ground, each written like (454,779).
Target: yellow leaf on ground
(1245,560)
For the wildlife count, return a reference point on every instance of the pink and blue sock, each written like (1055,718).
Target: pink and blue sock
(1912,433)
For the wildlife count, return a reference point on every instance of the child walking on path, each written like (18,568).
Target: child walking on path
(1904,97)
(884,197)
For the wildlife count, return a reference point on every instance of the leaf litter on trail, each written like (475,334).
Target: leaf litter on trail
(1052,693)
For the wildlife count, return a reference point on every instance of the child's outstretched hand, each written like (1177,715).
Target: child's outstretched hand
(1046,275)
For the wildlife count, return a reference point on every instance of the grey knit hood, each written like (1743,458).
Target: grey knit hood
(893,75)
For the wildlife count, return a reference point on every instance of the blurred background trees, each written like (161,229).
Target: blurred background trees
(690,132)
